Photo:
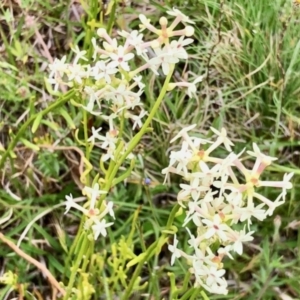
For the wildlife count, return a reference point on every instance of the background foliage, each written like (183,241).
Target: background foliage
(249,52)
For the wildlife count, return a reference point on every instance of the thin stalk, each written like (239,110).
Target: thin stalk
(75,267)
(144,128)
(150,252)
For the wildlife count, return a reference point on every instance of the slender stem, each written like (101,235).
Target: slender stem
(86,258)
(75,267)
(144,128)
(122,124)
(111,18)
(115,166)
(87,147)
(203,294)
(150,252)
(184,285)
(187,295)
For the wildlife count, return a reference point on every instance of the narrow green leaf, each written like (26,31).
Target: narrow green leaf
(136,260)
(6,65)
(36,123)
(67,117)
(54,126)
(29,144)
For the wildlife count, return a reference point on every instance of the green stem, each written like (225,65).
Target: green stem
(87,147)
(111,18)
(122,124)
(72,250)
(144,128)
(87,257)
(150,252)
(184,285)
(115,166)
(75,267)
(187,295)
(25,126)
(203,294)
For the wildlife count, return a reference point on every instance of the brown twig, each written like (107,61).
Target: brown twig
(31,260)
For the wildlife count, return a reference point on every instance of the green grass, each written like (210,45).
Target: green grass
(249,51)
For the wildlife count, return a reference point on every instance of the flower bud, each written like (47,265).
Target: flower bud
(171,86)
(101,32)
(163,21)
(189,30)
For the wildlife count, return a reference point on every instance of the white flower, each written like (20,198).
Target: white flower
(192,89)
(195,213)
(93,193)
(121,58)
(164,58)
(212,278)
(271,204)
(276,203)
(176,253)
(76,73)
(99,227)
(137,119)
(95,135)
(238,238)
(138,81)
(70,203)
(109,141)
(135,39)
(56,82)
(108,210)
(246,213)
(110,47)
(216,228)
(110,154)
(183,132)
(122,97)
(194,188)
(181,157)
(80,54)
(222,137)
(225,251)
(104,70)
(192,241)
(93,98)
(58,67)
(209,173)
(177,13)
(178,47)
(267,160)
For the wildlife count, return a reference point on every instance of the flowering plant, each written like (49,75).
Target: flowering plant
(105,81)
(216,199)
(111,89)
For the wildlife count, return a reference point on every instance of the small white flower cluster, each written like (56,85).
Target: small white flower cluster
(216,199)
(95,217)
(114,82)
